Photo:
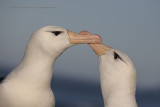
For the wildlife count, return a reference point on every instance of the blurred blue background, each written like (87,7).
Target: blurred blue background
(132,26)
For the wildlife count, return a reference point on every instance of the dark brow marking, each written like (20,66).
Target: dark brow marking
(116,56)
(57,32)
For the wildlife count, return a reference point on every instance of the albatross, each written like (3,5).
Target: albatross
(118,76)
(29,84)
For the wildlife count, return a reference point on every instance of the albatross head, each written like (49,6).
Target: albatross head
(54,40)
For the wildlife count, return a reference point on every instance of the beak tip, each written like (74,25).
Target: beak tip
(99,39)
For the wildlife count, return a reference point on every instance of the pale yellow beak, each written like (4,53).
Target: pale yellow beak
(76,38)
(99,49)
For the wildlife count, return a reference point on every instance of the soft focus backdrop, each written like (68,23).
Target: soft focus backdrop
(132,26)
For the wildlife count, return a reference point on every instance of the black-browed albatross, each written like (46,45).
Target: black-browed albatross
(29,84)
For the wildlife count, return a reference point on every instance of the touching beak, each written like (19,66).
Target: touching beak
(76,38)
(99,49)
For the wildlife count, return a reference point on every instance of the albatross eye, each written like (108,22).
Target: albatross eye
(116,56)
(56,33)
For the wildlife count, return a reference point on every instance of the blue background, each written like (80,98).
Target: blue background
(132,26)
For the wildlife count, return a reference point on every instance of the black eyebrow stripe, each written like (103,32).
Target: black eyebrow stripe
(57,32)
(119,57)
(1,79)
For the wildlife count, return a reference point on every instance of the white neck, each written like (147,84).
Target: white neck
(121,102)
(122,95)
(35,69)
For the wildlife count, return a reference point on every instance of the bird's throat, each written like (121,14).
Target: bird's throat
(121,102)
(35,69)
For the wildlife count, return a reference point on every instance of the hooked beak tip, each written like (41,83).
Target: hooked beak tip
(99,49)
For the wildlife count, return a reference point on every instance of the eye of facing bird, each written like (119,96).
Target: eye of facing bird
(56,33)
(117,56)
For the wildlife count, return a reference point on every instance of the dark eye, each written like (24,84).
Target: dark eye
(116,56)
(56,33)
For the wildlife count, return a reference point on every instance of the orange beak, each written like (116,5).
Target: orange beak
(76,38)
(99,49)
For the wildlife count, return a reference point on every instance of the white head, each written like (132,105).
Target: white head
(51,40)
(117,75)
